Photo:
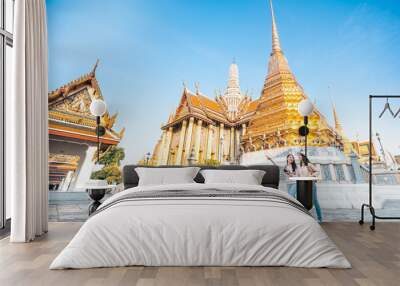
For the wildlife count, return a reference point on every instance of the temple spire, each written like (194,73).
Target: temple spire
(347,146)
(233,81)
(276,46)
(232,94)
(338,126)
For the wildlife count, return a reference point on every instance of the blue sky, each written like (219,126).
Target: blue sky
(147,48)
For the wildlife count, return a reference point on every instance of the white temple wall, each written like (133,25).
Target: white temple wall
(337,196)
(74,149)
(63,187)
(86,169)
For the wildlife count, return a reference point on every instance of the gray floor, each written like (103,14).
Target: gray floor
(77,210)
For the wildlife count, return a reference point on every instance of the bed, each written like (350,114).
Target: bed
(198,224)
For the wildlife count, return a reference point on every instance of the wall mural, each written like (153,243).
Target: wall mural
(226,128)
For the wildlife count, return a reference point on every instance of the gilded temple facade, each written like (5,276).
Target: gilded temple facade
(72,136)
(205,130)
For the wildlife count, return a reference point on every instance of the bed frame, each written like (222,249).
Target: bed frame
(270,179)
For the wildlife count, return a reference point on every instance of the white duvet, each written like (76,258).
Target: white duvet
(200,231)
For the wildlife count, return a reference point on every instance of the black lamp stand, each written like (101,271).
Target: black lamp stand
(304,131)
(97,194)
(100,131)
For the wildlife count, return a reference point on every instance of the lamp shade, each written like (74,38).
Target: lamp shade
(98,107)
(306,107)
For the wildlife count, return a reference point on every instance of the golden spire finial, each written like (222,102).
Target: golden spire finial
(95,67)
(276,46)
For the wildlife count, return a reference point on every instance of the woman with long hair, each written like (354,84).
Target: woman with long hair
(291,170)
(307,169)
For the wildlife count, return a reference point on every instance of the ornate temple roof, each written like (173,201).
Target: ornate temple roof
(89,78)
(198,105)
(232,108)
(69,111)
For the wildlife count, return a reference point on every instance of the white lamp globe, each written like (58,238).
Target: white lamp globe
(98,107)
(305,107)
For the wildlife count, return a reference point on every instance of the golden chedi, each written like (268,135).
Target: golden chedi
(277,120)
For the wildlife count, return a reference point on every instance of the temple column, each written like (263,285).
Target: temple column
(215,146)
(188,141)
(209,141)
(181,141)
(237,143)
(61,184)
(244,129)
(66,182)
(167,146)
(221,143)
(197,140)
(232,145)
(160,154)
(86,169)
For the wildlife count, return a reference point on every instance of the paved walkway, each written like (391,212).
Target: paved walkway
(77,210)
(68,210)
(68,207)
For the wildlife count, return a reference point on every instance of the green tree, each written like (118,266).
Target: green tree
(111,171)
(113,156)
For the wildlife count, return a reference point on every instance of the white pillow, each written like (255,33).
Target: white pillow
(166,176)
(248,177)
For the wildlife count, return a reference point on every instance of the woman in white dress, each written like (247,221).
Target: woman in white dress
(291,170)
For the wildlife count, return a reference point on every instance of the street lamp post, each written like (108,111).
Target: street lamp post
(97,108)
(97,191)
(305,109)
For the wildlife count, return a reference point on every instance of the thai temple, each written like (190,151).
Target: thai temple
(205,129)
(232,124)
(72,136)
(232,128)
